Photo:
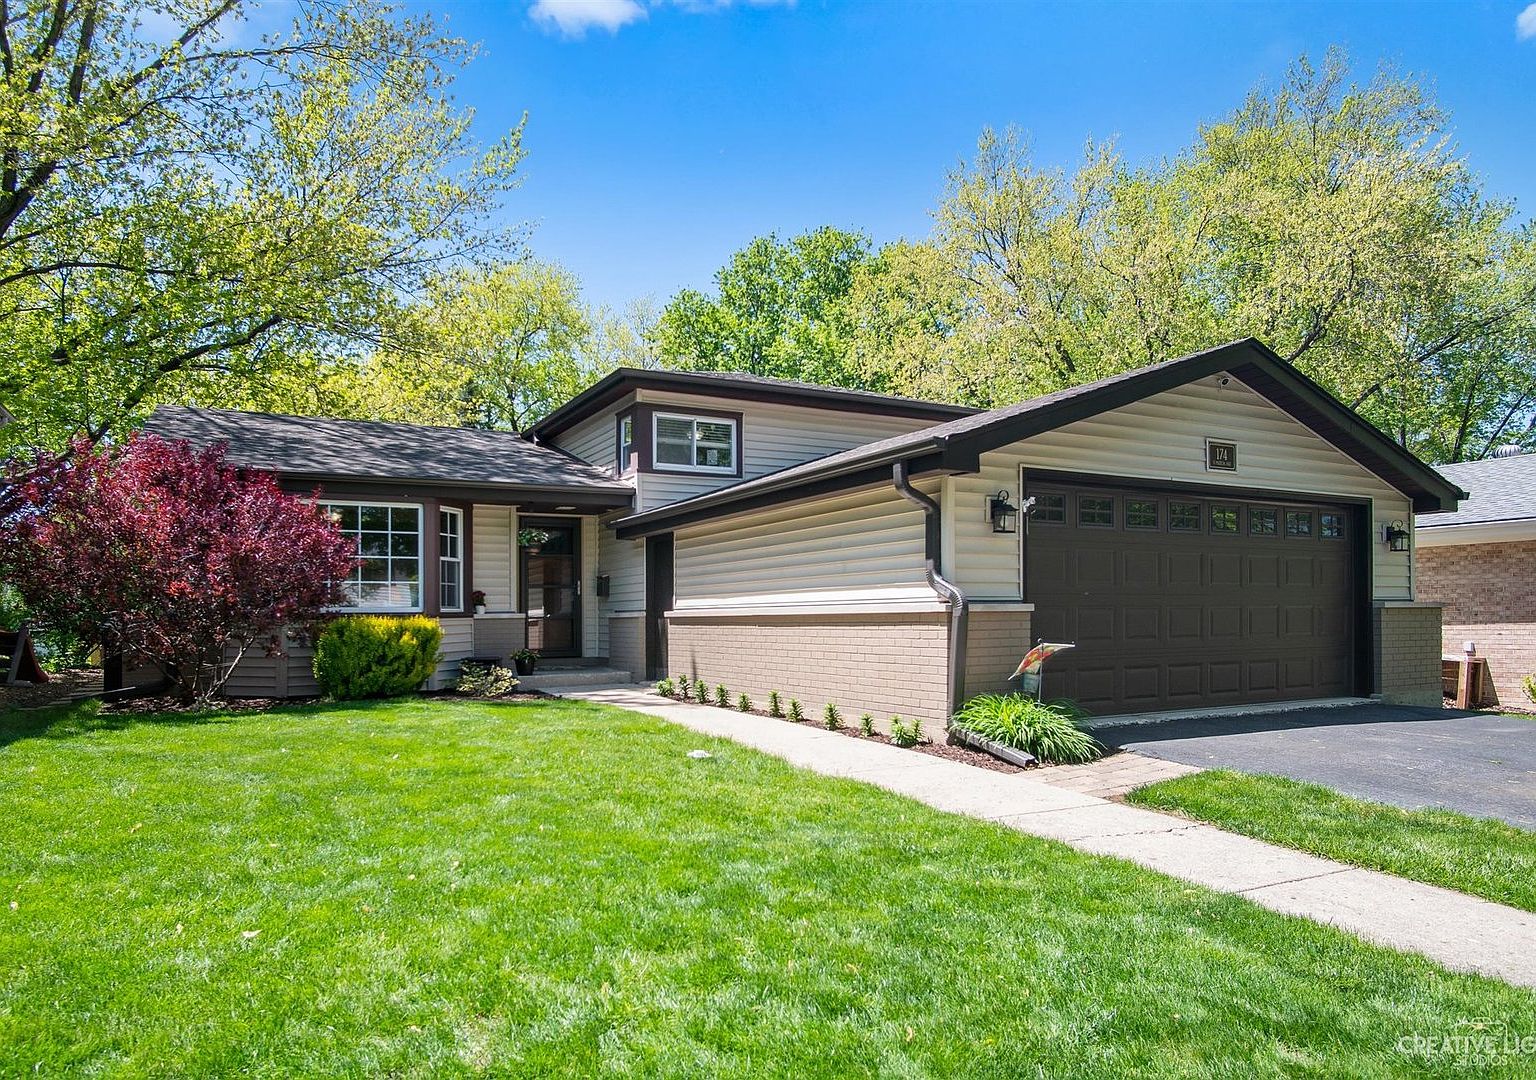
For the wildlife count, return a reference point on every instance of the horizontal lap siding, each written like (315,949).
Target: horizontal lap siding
(1163,438)
(493,571)
(773,436)
(863,546)
(594,440)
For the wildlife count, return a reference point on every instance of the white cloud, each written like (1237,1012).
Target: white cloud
(573,18)
(1525,24)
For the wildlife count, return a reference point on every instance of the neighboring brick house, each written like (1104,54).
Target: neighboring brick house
(1211,530)
(1479,563)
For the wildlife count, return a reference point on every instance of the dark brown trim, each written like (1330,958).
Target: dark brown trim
(874,475)
(646,412)
(627,380)
(624,465)
(1193,487)
(530,500)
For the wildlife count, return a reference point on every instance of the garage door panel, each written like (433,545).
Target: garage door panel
(1263,570)
(1165,618)
(1186,569)
(1224,624)
(1224,569)
(1143,570)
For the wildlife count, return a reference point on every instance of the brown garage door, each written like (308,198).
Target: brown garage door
(1182,600)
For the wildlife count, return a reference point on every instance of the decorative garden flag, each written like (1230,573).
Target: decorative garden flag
(1029,668)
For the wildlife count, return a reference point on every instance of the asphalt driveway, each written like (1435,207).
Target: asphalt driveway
(1478,764)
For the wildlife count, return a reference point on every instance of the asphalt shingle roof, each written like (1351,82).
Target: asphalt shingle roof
(370,449)
(1498,489)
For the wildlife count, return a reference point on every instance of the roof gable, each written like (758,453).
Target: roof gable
(956,446)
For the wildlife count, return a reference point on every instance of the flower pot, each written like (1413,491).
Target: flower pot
(479,609)
(524,667)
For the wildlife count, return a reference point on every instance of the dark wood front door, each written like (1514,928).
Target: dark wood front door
(1189,599)
(549,584)
(658,601)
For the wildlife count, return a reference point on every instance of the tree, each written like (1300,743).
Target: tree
(167,555)
(1333,221)
(780,309)
(187,210)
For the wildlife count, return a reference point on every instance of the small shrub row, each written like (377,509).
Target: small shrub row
(685,688)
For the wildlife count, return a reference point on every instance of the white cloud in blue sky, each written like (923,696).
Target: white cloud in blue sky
(573,18)
(1525,24)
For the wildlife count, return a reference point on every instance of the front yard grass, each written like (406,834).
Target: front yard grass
(427,887)
(1481,856)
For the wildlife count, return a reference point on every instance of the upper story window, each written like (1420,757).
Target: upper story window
(450,558)
(626,442)
(694,444)
(387,539)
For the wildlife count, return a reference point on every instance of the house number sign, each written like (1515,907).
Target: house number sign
(1220,456)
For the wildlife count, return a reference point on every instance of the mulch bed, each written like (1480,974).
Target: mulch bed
(950,752)
(58,688)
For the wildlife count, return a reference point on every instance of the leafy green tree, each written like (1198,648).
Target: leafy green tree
(1334,221)
(184,211)
(779,309)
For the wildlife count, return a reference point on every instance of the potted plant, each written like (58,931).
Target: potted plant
(524,660)
(477,598)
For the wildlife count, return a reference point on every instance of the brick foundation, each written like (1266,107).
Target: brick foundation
(1407,653)
(884,664)
(995,642)
(1488,592)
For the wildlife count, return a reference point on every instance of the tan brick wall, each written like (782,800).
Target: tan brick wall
(1489,595)
(1407,660)
(626,646)
(995,642)
(886,664)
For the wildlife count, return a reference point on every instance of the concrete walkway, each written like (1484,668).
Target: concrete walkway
(1461,932)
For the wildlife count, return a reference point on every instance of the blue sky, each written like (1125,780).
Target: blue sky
(665,134)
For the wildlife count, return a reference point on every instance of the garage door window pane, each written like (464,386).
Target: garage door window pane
(1298,523)
(1223,519)
(1332,527)
(1094,510)
(1050,509)
(1184,516)
(1263,520)
(1141,513)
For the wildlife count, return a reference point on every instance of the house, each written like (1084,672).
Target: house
(1210,530)
(1479,562)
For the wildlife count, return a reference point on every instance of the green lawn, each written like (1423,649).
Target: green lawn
(1481,856)
(431,888)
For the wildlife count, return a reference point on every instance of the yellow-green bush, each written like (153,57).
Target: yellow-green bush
(369,656)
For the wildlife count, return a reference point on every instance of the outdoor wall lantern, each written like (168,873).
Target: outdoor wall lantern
(1397,537)
(1005,516)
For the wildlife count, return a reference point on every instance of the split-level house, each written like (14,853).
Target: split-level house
(1212,530)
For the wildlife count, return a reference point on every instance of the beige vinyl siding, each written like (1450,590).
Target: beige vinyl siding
(861,548)
(594,630)
(458,643)
(593,440)
(493,555)
(773,437)
(1163,438)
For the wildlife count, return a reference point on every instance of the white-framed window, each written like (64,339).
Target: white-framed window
(387,539)
(694,443)
(626,442)
(450,558)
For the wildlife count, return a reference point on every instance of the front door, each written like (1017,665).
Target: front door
(549,584)
(658,601)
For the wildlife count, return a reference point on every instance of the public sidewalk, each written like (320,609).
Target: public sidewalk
(1461,932)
